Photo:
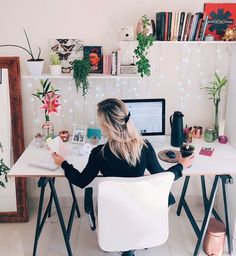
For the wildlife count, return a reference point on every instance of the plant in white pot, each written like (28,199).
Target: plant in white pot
(35,64)
(55,64)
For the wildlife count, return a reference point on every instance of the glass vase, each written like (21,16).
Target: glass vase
(48,130)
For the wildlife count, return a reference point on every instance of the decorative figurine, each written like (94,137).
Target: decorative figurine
(230,34)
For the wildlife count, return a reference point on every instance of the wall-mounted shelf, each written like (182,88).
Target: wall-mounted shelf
(90,77)
(183,42)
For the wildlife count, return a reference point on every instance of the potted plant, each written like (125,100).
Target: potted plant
(3,169)
(50,100)
(55,64)
(214,91)
(81,69)
(35,64)
(186,149)
(145,40)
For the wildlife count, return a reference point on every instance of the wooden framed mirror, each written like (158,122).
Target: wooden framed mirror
(11,66)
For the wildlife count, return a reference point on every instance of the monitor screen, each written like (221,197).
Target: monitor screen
(148,115)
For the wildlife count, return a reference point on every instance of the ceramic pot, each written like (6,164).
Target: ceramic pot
(186,151)
(55,70)
(35,67)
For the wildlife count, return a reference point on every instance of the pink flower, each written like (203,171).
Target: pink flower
(50,103)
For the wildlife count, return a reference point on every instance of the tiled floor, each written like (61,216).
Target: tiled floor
(17,239)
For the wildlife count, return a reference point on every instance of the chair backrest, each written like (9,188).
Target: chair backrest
(133,212)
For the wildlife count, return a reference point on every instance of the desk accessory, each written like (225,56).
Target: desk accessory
(209,134)
(162,155)
(85,149)
(186,150)
(206,151)
(64,135)
(223,139)
(79,134)
(176,124)
(197,132)
(38,140)
(94,132)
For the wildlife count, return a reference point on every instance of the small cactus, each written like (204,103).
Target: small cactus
(55,60)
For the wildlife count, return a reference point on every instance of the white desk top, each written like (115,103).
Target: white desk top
(223,160)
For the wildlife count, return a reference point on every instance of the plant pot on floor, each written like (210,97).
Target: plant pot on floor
(35,67)
(55,70)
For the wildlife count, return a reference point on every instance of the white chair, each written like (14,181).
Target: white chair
(132,212)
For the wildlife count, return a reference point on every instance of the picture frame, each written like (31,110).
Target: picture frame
(79,134)
(94,54)
(68,50)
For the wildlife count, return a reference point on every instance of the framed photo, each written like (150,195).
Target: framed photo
(79,134)
(94,53)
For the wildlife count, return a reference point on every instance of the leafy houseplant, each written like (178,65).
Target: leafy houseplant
(3,169)
(48,97)
(29,51)
(81,69)
(35,64)
(145,40)
(214,91)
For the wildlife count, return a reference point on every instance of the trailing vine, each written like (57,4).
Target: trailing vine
(145,40)
(81,69)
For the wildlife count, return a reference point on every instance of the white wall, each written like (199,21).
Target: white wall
(99,24)
(230,125)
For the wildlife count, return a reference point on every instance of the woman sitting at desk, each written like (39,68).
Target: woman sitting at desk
(126,154)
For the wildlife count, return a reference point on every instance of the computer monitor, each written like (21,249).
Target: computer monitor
(148,115)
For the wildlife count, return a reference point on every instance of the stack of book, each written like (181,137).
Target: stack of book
(181,26)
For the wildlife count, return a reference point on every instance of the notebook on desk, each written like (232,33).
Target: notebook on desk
(45,162)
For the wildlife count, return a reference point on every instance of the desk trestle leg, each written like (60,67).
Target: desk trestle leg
(225,180)
(42,183)
(184,190)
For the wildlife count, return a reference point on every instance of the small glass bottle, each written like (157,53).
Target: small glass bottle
(209,134)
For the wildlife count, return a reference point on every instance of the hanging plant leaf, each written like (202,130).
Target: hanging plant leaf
(81,69)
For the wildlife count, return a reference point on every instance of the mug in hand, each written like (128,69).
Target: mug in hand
(186,150)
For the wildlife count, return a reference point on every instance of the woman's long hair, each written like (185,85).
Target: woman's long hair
(124,140)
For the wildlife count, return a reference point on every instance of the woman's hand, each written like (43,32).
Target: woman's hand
(186,161)
(57,159)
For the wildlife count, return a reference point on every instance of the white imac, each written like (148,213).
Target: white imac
(148,115)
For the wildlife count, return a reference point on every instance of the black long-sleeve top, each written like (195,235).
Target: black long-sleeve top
(110,166)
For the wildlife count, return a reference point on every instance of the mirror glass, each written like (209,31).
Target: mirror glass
(7,194)
(13,198)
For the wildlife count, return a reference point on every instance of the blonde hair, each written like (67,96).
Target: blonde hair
(124,140)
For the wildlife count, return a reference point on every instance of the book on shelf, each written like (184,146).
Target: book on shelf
(115,62)
(181,24)
(220,17)
(106,64)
